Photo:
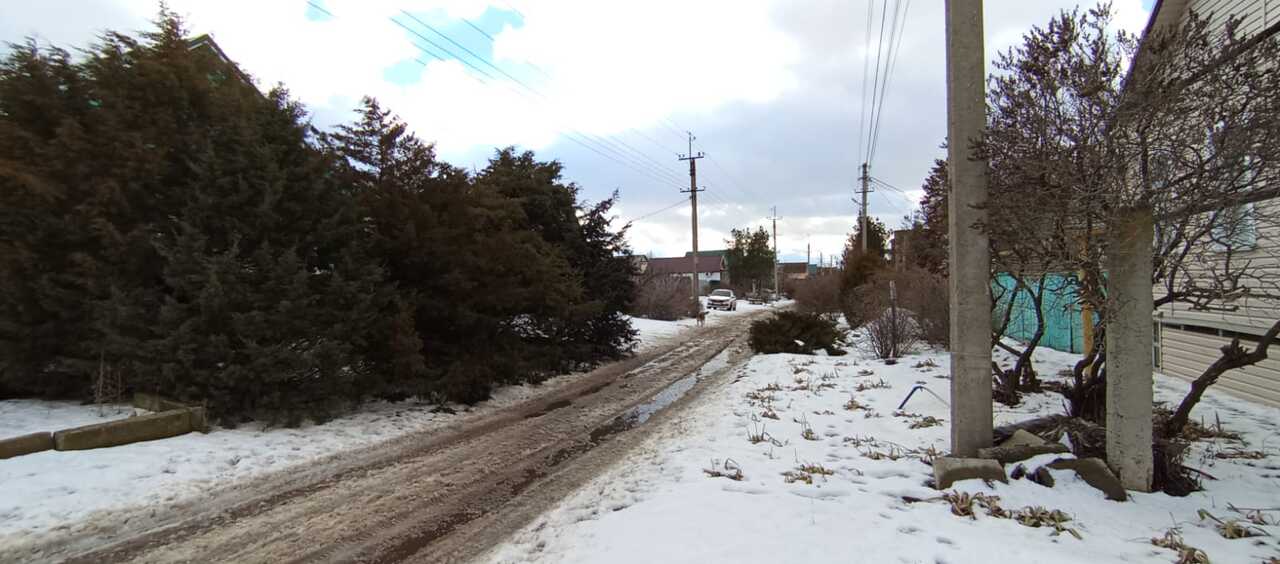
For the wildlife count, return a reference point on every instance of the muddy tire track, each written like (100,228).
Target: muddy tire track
(412,498)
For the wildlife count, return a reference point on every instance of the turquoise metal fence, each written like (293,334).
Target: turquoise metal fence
(1063,329)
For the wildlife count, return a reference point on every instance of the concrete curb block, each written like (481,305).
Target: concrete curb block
(947,471)
(153,402)
(125,431)
(25,444)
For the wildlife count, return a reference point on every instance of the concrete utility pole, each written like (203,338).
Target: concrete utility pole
(693,202)
(862,215)
(775,219)
(969,257)
(1129,337)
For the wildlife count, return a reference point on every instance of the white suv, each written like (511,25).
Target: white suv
(722,299)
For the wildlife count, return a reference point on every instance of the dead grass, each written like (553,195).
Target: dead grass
(728,469)
(877,385)
(806,473)
(760,397)
(854,405)
(1172,540)
(806,431)
(1239,454)
(1232,528)
(967,505)
(757,434)
(1255,516)
(925,422)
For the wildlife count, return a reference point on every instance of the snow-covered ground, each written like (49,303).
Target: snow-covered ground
(653,332)
(825,480)
(43,491)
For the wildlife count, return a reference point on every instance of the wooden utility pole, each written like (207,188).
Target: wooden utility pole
(693,202)
(970,258)
(775,219)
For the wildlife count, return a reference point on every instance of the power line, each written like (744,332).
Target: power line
(679,202)
(603,143)
(616,150)
(892,63)
(875,85)
(866,59)
(477,28)
(674,128)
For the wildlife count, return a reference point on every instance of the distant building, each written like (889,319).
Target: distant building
(712,271)
(794,270)
(205,44)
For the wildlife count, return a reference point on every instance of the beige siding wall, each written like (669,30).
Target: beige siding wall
(1249,313)
(1257,14)
(1185,355)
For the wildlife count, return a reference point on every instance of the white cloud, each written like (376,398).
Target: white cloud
(771,86)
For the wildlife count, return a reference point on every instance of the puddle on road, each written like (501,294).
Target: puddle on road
(637,415)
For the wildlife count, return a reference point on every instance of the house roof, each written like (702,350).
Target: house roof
(206,43)
(715,253)
(794,267)
(684,265)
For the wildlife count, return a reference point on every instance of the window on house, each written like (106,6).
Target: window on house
(1234,228)
(1155,345)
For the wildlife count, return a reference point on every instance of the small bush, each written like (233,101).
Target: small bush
(892,334)
(664,298)
(919,292)
(819,295)
(794,332)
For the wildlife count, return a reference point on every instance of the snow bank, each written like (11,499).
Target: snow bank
(44,491)
(837,415)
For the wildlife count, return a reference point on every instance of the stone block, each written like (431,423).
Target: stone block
(156,403)
(199,419)
(1011,454)
(25,444)
(947,471)
(1095,473)
(1022,437)
(124,431)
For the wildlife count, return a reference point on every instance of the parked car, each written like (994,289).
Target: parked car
(722,299)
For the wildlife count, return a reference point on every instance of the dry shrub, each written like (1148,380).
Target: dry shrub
(665,298)
(919,292)
(892,334)
(925,294)
(819,295)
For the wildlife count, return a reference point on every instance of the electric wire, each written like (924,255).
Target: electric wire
(602,143)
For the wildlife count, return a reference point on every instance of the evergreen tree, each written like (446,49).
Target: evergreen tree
(931,246)
(201,245)
(593,328)
(750,258)
(47,260)
(859,266)
(475,282)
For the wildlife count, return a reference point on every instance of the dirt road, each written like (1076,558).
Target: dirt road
(447,495)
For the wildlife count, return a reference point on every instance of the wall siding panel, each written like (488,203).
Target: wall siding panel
(1185,355)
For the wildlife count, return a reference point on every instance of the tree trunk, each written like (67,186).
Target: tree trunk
(1233,356)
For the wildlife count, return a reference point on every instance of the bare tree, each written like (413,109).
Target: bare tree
(1085,125)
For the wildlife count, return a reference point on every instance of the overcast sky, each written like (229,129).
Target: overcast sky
(772,89)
